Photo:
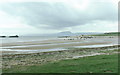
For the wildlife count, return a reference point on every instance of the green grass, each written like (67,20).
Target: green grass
(92,64)
(109,34)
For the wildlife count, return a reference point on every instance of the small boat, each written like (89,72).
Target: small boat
(2,36)
(16,36)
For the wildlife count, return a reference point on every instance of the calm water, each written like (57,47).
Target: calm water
(26,38)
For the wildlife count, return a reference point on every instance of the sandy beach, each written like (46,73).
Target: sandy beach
(42,52)
(55,45)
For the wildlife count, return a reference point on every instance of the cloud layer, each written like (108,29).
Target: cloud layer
(59,15)
(53,16)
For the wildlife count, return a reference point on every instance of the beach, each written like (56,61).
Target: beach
(42,52)
(38,59)
(55,45)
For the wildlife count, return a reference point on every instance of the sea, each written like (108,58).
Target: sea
(26,39)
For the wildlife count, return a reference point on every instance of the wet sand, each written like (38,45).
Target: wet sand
(41,52)
(59,44)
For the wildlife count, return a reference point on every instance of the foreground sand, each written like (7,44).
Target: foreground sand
(44,57)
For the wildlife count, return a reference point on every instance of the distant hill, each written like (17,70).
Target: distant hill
(66,33)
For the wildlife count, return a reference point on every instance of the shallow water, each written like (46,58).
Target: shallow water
(31,51)
(53,49)
(94,46)
(113,41)
(27,39)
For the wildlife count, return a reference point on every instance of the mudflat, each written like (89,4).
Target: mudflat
(21,47)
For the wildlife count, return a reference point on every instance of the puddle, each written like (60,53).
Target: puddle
(88,55)
(31,51)
(94,46)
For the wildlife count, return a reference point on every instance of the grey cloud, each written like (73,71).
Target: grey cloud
(59,15)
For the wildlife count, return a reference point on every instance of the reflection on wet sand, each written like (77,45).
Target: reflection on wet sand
(56,45)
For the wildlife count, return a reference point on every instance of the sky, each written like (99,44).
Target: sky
(52,16)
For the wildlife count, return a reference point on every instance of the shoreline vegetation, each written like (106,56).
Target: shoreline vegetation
(92,64)
(108,34)
(19,63)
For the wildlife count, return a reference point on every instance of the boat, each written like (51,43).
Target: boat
(16,36)
(2,36)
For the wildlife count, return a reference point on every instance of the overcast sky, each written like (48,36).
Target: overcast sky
(52,16)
